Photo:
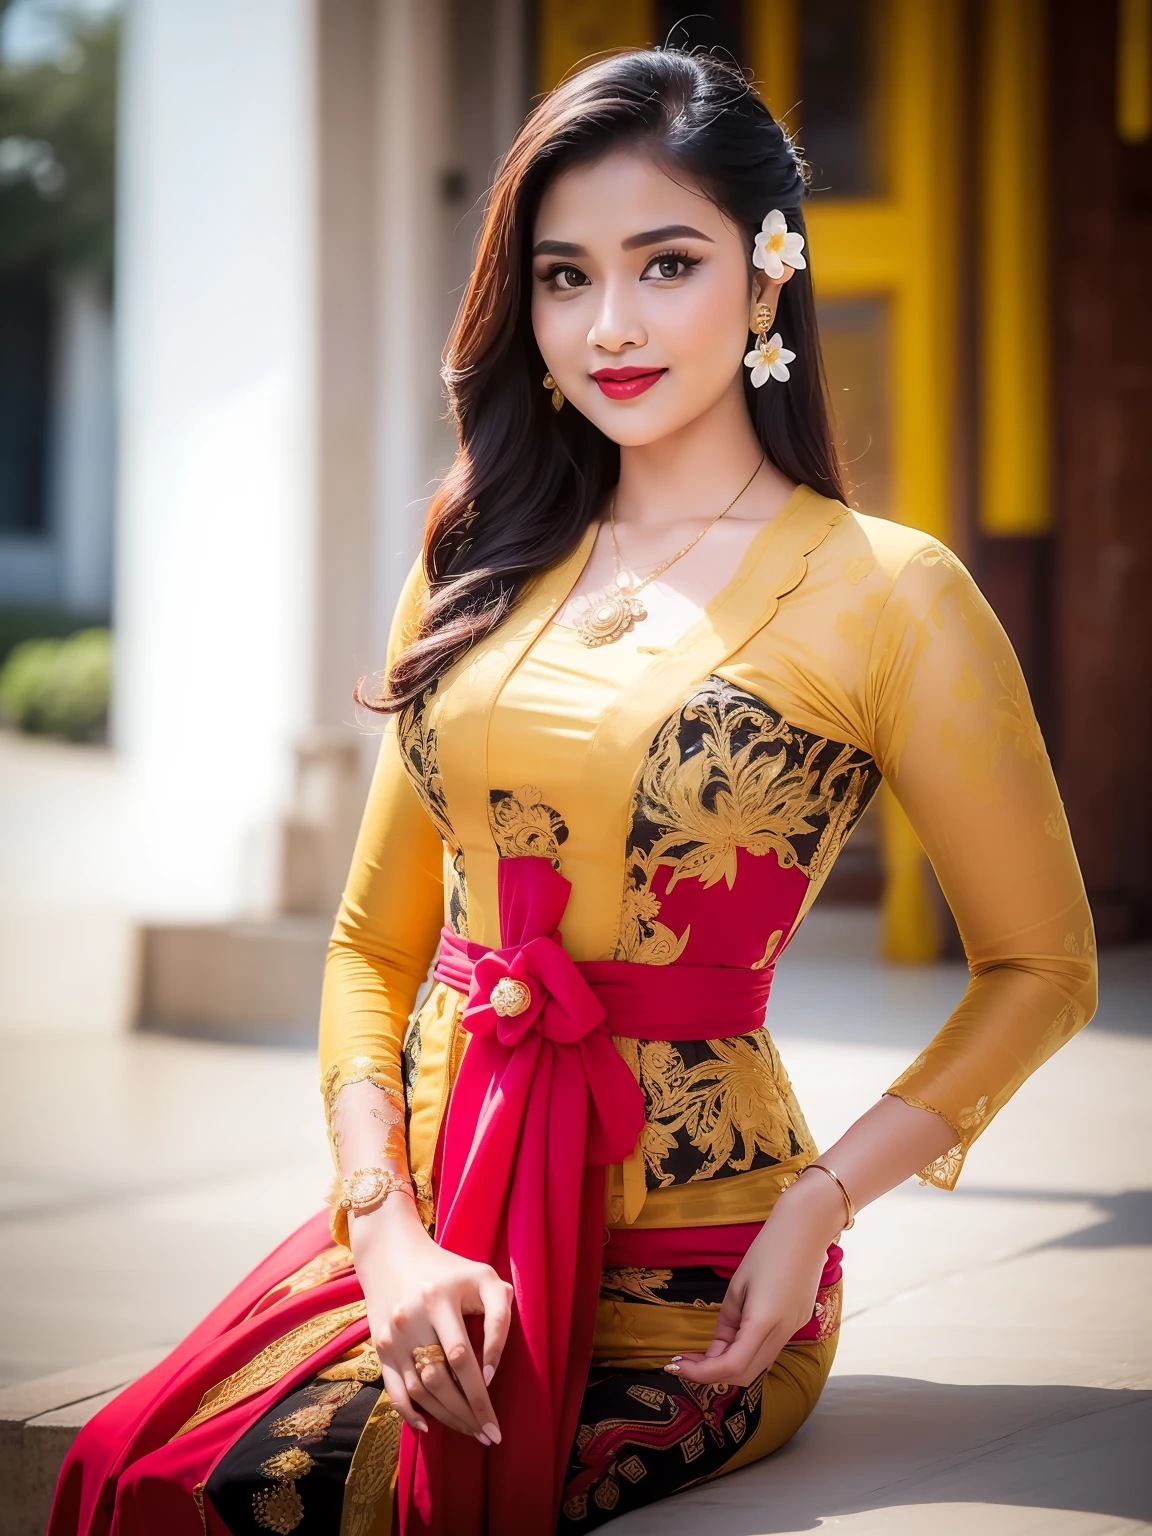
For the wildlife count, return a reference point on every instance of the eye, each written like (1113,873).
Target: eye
(670,265)
(564,279)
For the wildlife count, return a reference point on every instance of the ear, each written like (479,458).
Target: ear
(766,290)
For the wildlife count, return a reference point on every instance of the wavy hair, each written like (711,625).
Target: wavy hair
(526,481)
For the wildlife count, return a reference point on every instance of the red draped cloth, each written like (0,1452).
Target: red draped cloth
(543,1102)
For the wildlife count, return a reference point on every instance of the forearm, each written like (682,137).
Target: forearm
(368,1129)
(889,1143)
(382,941)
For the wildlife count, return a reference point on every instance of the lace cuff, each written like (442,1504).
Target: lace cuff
(387,1110)
(944,1171)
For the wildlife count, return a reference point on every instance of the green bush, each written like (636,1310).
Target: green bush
(41,621)
(60,687)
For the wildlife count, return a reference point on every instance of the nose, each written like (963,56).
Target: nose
(617,324)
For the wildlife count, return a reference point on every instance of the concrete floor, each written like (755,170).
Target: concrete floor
(995,1368)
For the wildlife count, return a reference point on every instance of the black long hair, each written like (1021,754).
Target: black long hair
(527,481)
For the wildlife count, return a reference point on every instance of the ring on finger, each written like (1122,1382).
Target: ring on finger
(425,1355)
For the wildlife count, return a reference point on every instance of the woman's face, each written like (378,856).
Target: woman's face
(641,299)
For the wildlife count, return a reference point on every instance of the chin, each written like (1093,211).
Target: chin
(636,425)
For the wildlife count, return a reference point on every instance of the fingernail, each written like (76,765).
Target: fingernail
(489,1372)
(677,1357)
(673,1368)
(492,1432)
(483,1439)
(421,1426)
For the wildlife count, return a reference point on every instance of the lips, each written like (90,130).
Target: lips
(627,383)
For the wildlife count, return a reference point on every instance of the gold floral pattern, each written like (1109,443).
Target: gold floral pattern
(769,949)
(289,1464)
(198,1500)
(360,1363)
(829,1304)
(419,750)
(640,1284)
(279,1509)
(523,825)
(368,1490)
(944,1170)
(714,1107)
(1016,721)
(726,773)
(312,1419)
(1056,825)
(390,1111)
(274,1361)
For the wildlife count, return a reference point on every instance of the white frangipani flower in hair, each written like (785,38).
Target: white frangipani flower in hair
(777,246)
(769,361)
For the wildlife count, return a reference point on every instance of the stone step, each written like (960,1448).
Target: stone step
(248,981)
(39,1421)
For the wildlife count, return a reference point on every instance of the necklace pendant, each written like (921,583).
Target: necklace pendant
(611,615)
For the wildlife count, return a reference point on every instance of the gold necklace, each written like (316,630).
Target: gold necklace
(614,611)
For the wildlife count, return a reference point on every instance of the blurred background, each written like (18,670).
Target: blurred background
(233,236)
(232,240)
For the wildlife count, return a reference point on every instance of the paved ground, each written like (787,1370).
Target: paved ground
(995,1370)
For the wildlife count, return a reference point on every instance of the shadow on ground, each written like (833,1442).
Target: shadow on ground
(881,1443)
(1124,1220)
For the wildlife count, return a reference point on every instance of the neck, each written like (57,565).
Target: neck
(693,471)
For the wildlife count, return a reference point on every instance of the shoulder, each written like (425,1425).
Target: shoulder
(872,580)
(409,606)
(880,550)
(865,560)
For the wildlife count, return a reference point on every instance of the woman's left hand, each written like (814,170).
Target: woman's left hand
(772,1293)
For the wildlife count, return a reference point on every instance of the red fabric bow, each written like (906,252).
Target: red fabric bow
(542,1102)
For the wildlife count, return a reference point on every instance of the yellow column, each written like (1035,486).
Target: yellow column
(774,52)
(1015,430)
(909,930)
(1134,71)
(575,31)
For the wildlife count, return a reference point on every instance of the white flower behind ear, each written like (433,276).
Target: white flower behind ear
(769,361)
(777,246)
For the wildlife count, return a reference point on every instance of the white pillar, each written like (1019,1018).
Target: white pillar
(214,600)
(414,309)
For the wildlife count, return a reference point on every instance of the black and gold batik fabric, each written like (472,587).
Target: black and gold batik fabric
(645,1435)
(642,1434)
(287,1473)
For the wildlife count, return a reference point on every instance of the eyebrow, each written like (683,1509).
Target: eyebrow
(633,242)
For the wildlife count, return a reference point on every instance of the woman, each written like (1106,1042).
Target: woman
(641,686)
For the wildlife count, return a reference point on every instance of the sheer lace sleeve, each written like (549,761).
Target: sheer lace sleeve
(382,943)
(956,737)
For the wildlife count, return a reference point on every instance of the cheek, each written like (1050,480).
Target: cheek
(558,327)
(701,326)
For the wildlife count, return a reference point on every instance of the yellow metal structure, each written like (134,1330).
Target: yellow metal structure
(572,31)
(909,930)
(1134,70)
(1015,426)
(774,47)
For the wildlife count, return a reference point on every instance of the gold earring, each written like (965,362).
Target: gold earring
(557,392)
(769,358)
(764,318)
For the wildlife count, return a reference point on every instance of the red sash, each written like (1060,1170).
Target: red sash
(543,1102)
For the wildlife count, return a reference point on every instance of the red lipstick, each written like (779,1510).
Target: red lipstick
(627,383)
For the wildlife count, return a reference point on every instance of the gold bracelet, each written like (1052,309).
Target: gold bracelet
(365,1188)
(839,1183)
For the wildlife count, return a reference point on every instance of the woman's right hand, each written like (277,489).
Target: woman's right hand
(419,1293)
